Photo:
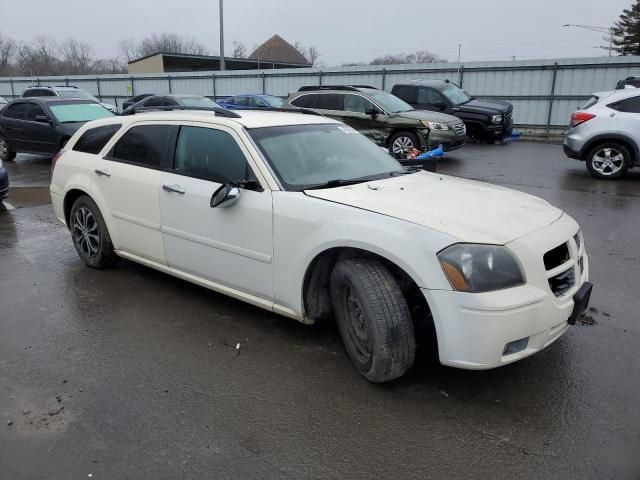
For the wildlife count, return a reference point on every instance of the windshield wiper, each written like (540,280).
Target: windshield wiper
(338,182)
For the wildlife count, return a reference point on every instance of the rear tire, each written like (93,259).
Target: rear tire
(608,161)
(373,319)
(90,235)
(6,154)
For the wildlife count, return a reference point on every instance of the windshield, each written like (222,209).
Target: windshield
(391,103)
(275,102)
(456,95)
(303,156)
(76,94)
(79,112)
(199,102)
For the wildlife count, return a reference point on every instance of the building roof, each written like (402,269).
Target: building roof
(277,49)
(183,62)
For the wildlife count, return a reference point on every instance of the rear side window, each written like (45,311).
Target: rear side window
(406,93)
(17,111)
(304,101)
(210,154)
(144,145)
(330,101)
(94,139)
(629,105)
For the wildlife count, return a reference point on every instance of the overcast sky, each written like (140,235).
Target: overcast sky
(343,31)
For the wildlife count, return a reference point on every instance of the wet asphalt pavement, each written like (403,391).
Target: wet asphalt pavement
(130,373)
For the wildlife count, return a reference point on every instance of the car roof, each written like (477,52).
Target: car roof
(245,118)
(425,82)
(614,95)
(51,87)
(50,100)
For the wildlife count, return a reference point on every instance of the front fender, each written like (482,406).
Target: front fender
(304,227)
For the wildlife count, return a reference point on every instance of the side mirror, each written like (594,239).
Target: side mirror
(440,105)
(374,112)
(225,196)
(42,119)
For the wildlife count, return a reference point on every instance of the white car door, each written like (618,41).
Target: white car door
(629,116)
(233,245)
(128,180)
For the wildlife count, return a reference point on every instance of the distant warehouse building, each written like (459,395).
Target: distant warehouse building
(274,53)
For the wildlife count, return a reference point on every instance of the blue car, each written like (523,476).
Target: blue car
(251,102)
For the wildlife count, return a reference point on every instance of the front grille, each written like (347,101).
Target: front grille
(507,118)
(556,257)
(562,282)
(459,128)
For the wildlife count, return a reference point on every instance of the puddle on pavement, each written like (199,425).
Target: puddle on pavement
(20,197)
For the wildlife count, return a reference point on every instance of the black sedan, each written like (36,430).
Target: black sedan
(42,125)
(4,182)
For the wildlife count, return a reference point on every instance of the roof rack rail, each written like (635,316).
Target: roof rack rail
(220,112)
(351,88)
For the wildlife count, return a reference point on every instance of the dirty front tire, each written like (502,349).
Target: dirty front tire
(6,154)
(401,140)
(608,161)
(373,319)
(90,235)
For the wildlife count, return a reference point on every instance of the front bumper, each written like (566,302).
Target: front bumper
(448,139)
(474,329)
(4,183)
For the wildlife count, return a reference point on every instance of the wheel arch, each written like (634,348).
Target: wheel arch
(315,287)
(624,140)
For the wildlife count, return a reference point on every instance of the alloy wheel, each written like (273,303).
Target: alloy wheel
(86,232)
(400,144)
(608,161)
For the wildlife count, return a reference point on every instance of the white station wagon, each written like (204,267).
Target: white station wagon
(303,216)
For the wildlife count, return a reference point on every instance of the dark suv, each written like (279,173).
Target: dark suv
(382,117)
(486,120)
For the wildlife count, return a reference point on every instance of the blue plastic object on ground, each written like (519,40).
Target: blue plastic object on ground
(436,152)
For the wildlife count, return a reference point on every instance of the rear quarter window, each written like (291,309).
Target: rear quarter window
(94,139)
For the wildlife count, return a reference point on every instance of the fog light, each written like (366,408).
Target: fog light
(515,346)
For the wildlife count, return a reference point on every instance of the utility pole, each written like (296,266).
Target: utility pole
(608,30)
(222,65)
(459,56)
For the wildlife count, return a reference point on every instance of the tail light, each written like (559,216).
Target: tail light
(55,159)
(578,118)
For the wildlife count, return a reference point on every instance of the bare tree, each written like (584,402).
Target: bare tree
(108,65)
(312,54)
(38,57)
(76,57)
(128,49)
(422,56)
(239,50)
(7,51)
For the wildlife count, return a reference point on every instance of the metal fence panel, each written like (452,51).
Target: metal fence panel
(543,92)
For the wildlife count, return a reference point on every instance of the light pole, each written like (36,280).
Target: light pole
(608,30)
(222,65)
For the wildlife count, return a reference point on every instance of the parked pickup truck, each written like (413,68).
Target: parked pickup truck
(486,120)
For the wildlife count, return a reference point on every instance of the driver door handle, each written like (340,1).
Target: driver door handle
(174,189)
(103,173)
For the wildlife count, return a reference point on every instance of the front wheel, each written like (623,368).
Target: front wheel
(608,161)
(401,141)
(6,154)
(90,235)
(373,319)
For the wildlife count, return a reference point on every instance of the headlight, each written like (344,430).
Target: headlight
(435,125)
(496,119)
(476,268)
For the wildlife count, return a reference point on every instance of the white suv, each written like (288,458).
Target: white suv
(605,133)
(303,216)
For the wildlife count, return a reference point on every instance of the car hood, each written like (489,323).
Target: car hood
(428,116)
(468,210)
(487,106)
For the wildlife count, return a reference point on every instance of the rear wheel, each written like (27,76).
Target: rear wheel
(90,235)
(608,161)
(401,141)
(373,319)
(6,154)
